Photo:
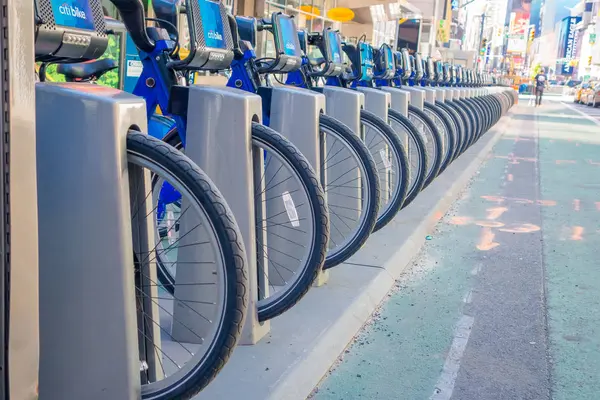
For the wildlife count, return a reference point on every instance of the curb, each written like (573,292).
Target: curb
(307,340)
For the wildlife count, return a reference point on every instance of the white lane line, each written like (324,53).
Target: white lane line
(445,384)
(594,120)
(476,270)
(468,297)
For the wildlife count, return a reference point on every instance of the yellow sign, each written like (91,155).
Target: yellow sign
(340,14)
(310,10)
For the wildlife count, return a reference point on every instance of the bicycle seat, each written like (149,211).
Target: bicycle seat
(87,70)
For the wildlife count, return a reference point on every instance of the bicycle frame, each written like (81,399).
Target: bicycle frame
(154,85)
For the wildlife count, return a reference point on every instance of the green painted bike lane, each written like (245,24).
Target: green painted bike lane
(570,176)
(404,352)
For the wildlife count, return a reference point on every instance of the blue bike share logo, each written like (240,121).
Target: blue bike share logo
(212,25)
(73,14)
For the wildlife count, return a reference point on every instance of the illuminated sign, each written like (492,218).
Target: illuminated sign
(570,43)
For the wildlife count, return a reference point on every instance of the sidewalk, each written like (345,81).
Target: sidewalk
(504,301)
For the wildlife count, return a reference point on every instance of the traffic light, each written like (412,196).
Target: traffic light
(483,47)
(531,34)
(589,60)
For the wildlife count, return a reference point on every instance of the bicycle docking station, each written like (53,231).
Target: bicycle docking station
(219,141)
(378,102)
(417,96)
(294,113)
(399,99)
(440,94)
(89,340)
(344,105)
(430,95)
(448,93)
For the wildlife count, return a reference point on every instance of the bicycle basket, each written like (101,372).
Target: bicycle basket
(69,30)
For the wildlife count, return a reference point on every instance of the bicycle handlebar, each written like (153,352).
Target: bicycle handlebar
(132,12)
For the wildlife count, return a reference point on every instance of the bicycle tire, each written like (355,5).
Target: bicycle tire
(308,274)
(369,170)
(467,129)
(435,159)
(416,143)
(230,239)
(397,149)
(471,113)
(448,133)
(456,127)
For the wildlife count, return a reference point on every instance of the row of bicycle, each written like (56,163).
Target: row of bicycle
(314,148)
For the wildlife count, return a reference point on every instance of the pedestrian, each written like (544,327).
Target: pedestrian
(541,82)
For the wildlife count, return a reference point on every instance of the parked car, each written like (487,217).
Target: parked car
(593,96)
(570,87)
(578,90)
(586,89)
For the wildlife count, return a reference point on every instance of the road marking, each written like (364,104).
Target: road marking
(496,212)
(486,240)
(476,270)
(525,228)
(577,233)
(445,384)
(468,297)
(559,162)
(594,120)
(576,205)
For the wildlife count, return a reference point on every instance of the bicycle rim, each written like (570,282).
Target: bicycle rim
(432,139)
(444,128)
(186,334)
(392,165)
(291,221)
(416,153)
(349,178)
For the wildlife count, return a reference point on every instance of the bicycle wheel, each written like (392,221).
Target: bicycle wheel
(417,154)
(458,126)
(291,217)
(466,125)
(445,127)
(351,183)
(392,165)
(185,337)
(468,110)
(431,137)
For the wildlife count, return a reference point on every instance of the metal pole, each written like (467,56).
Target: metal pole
(481,37)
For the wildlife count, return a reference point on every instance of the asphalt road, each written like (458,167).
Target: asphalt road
(504,300)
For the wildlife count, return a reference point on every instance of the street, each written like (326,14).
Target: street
(504,300)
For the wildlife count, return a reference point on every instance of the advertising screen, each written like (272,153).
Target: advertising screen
(212,24)
(289,36)
(408,34)
(335,46)
(73,14)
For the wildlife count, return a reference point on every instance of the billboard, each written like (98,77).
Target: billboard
(567,48)
(535,19)
(408,33)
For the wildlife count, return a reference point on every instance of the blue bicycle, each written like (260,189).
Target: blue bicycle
(400,174)
(348,172)
(176,359)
